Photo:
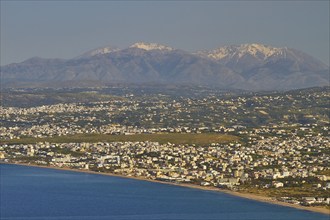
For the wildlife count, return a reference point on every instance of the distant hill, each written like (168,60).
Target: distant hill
(247,66)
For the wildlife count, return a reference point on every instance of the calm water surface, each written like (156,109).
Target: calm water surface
(39,193)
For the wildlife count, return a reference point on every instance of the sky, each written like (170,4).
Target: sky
(66,29)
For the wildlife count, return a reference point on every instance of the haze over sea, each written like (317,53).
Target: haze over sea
(39,193)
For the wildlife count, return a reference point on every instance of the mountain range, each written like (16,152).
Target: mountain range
(246,66)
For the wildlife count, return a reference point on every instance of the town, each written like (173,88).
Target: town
(276,144)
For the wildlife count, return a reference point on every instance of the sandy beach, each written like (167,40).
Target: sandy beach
(209,188)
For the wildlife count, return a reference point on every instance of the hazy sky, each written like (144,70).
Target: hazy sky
(65,29)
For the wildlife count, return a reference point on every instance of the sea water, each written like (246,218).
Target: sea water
(40,193)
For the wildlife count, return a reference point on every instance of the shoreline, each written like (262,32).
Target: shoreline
(250,196)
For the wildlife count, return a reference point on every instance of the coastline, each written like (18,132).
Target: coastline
(189,185)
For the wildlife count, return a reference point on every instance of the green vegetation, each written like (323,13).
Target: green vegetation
(325,172)
(175,138)
(35,98)
(67,151)
(295,192)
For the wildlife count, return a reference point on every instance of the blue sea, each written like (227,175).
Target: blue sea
(39,193)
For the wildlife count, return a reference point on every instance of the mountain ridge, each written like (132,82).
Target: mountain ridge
(246,66)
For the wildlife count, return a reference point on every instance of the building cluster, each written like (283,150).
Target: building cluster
(267,162)
(283,143)
(160,113)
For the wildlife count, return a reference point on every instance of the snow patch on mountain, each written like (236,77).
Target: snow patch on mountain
(103,50)
(99,51)
(259,51)
(150,46)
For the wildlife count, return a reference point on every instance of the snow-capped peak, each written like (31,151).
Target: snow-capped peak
(100,50)
(150,46)
(259,51)
(103,50)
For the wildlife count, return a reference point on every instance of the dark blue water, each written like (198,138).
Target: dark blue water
(38,193)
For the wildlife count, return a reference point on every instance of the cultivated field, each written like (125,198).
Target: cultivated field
(175,138)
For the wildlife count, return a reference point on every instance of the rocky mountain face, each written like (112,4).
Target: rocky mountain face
(247,66)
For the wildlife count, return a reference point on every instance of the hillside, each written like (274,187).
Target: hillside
(247,66)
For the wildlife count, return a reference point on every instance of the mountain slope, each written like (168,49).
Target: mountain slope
(247,66)
(264,67)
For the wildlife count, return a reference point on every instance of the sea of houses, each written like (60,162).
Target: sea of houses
(268,162)
(275,152)
(160,113)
